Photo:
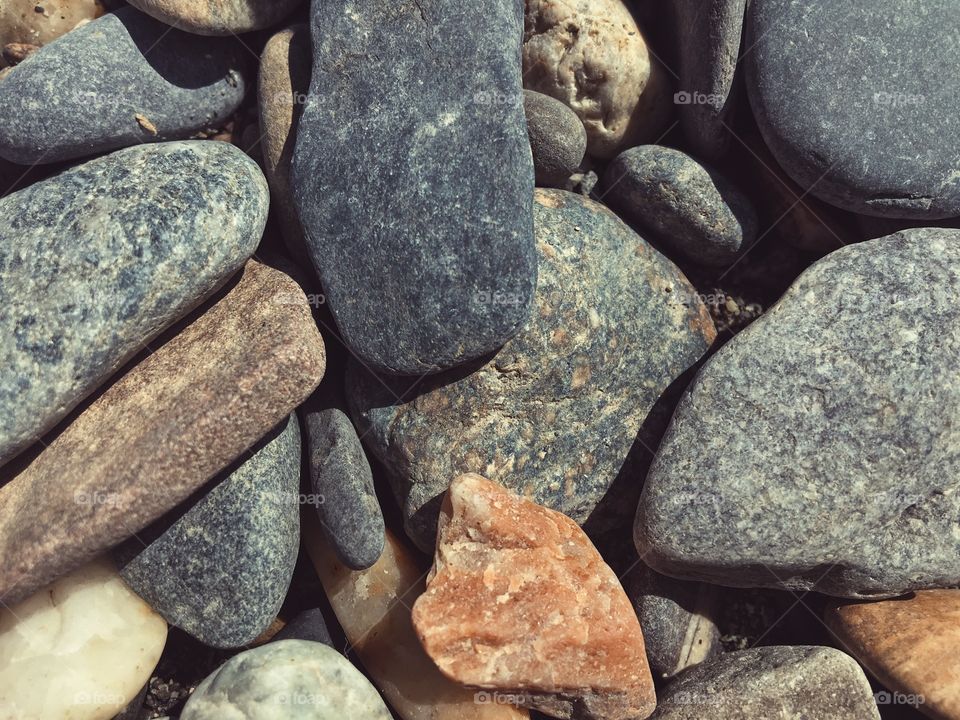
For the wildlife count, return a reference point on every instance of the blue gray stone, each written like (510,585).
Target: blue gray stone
(308,625)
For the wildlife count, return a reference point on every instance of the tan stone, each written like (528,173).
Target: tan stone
(519,601)
(172,422)
(373,607)
(218,17)
(910,644)
(20,22)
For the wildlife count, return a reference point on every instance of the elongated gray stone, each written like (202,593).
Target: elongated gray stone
(123,79)
(415,197)
(97,261)
(819,449)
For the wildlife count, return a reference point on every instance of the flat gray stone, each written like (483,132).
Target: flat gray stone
(124,79)
(558,139)
(819,449)
(221,570)
(96,261)
(414,196)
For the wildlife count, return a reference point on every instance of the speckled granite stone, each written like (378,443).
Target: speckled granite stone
(818,449)
(221,570)
(558,139)
(98,260)
(123,79)
(555,412)
(415,194)
(812,683)
(859,103)
(218,17)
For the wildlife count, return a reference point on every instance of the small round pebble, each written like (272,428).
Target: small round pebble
(558,139)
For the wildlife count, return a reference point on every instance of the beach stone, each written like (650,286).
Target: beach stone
(308,625)
(20,23)
(558,139)
(286,680)
(850,376)
(95,262)
(519,601)
(124,79)
(814,683)
(844,100)
(555,412)
(341,478)
(693,209)
(221,570)
(909,644)
(590,55)
(218,17)
(411,249)
(79,649)
(180,415)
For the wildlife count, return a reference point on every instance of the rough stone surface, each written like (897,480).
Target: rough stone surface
(21,23)
(818,448)
(341,479)
(221,570)
(80,649)
(555,412)
(845,101)
(414,194)
(172,422)
(692,208)
(558,139)
(520,601)
(590,55)
(218,17)
(98,260)
(121,80)
(308,625)
(910,645)
(812,683)
(286,680)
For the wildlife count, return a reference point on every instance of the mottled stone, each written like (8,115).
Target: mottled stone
(80,649)
(171,423)
(95,262)
(373,607)
(910,645)
(813,683)
(218,17)
(590,55)
(308,625)
(693,209)
(121,80)
(341,479)
(20,23)
(221,570)
(558,139)
(844,98)
(286,680)
(415,197)
(818,448)
(519,601)
(554,413)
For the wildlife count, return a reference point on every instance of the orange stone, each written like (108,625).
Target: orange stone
(519,602)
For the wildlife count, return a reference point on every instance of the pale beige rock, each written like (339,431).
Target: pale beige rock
(79,649)
(520,601)
(592,56)
(20,22)
(218,17)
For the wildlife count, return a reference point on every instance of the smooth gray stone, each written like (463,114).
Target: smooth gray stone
(95,262)
(808,683)
(221,570)
(415,196)
(308,625)
(859,102)
(558,139)
(819,449)
(83,93)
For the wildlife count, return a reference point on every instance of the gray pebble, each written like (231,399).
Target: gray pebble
(558,139)
(308,625)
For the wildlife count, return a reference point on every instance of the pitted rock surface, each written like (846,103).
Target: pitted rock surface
(218,17)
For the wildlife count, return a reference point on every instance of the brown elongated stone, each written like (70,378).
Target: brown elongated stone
(174,420)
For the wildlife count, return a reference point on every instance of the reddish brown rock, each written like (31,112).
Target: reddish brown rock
(168,425)
(519,601)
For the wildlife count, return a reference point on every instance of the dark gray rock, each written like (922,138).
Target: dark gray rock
(415,197)
(221,570)
(97,261)
(846,99)
(123,79)
(693,208)
(558,139)
(308,625)
(554,413)
(819,448)
(343,483)
(813,683)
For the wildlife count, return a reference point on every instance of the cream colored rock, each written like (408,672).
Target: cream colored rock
(591,55)
(21,22)
(79,649)
(218,17)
